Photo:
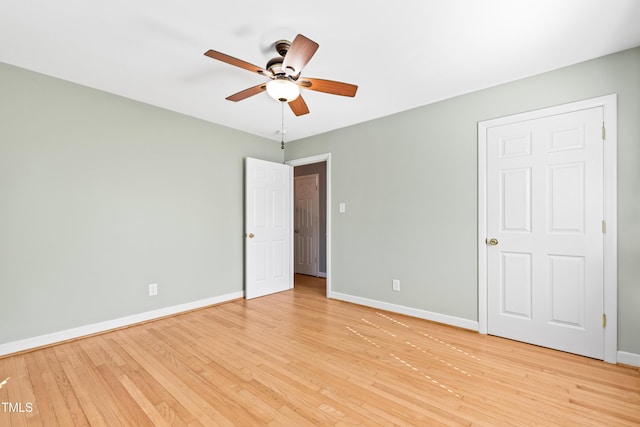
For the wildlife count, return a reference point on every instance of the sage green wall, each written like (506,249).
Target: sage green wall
(409,182)
(100,196)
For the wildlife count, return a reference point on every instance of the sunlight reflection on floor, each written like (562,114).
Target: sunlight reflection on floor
(413,345)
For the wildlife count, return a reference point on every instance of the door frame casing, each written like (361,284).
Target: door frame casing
(610,259)
(326,157)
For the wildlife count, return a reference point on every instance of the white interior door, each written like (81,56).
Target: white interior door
(545,213)
(306,224)
(267,228)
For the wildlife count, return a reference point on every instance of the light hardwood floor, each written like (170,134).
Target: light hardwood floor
(295,359)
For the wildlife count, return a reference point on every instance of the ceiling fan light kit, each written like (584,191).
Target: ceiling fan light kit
(284,72)
(283,90)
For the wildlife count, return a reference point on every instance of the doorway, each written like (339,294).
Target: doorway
(321,166)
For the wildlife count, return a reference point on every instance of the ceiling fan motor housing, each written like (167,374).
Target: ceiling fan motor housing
(282,47)
(275,66)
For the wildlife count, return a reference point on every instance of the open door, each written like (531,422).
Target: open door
(268,238)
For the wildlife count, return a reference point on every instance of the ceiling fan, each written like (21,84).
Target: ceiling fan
(284,72)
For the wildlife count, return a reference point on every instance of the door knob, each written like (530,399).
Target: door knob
(492,242)
(250,235)
(296,231)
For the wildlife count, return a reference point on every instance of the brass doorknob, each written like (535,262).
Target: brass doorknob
(493,241)
(250,235)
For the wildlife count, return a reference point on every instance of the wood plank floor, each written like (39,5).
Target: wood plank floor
(295,359)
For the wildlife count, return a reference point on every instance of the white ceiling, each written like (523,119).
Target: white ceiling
(402,53)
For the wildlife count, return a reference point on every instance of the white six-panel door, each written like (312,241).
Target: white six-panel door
(306,224)
(267,228)
(544,214)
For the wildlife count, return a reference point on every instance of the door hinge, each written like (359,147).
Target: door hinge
(604,320)
(604,226)
(604,133)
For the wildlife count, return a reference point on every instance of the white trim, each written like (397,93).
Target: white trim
(609,104)
(409,311)
(326,157)
(631,359)
(292,267)
(81,331)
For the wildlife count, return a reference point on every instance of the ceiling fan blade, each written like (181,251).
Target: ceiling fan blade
(244,94)
(299,54)
(329,86)
(237,62)
(299,107)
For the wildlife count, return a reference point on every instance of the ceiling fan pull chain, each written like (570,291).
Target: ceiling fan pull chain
(282,126)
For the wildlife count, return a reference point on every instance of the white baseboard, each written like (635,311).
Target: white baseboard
(631,359)
(55,337)
(322,274)
(409,311)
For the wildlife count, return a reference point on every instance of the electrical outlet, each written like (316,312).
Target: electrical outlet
(153,289)
(396,285)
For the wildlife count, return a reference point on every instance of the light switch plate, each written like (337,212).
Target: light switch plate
(153,289)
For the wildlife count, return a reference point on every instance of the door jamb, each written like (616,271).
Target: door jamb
(610,297)
(326,157)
